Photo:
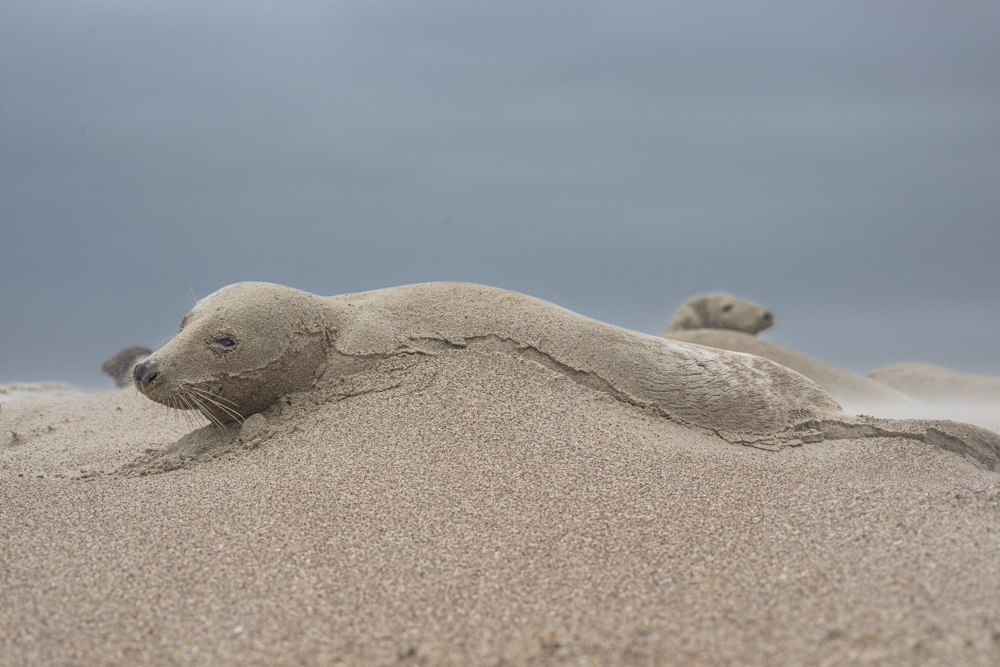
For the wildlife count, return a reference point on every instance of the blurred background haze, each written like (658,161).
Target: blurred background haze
(836,162)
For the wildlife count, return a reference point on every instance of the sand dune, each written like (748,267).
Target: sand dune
(481,509)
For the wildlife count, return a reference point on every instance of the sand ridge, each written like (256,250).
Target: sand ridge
(480,509)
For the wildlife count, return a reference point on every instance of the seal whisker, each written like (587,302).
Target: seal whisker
(184,410)
(187,407)
(203,410)
(232,413)
(189,414)
(215,396)
(207,395)
(214,399)
(197,405)
(178,410)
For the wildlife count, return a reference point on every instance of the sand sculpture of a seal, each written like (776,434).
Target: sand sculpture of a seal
(719,310)
(248,344)
(244,347)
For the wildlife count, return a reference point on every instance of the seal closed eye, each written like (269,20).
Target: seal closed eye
(226,343)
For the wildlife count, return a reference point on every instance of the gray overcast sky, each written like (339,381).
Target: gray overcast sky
(837,162)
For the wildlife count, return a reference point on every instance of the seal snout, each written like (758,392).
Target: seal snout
(145,373)
(767,316)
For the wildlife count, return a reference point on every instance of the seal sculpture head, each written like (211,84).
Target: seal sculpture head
(238,351)
(719,310)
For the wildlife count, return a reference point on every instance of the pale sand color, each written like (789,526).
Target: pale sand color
(951,395)
(477,508)
(86,434)
(15,391)
(930,382)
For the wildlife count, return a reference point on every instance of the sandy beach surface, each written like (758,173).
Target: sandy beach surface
(476,508)
(20,390)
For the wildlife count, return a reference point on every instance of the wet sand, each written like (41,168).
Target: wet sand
(480,509)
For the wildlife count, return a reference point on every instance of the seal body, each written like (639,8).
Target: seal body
(244,347)
(719,310)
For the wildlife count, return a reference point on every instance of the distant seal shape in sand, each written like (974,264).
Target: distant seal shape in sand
(244,347)
(719,310)
(120,366)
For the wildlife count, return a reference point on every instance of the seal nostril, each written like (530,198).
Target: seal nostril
(145,372)
(767,316)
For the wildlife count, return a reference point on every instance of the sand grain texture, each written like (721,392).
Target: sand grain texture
(477,508)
